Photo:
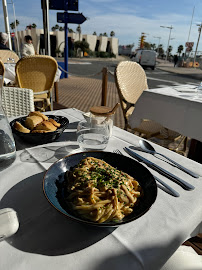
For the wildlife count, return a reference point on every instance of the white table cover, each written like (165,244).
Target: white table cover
(48,240)
(178,111)
(9,75)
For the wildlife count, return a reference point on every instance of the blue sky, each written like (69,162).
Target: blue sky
(126,18)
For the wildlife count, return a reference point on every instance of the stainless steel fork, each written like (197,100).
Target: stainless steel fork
(117,151)
(168,189)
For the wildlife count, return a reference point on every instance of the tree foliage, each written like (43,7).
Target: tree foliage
(78,29)
(147,45)
(112,34)
(180,49)
(12,25)
(153,46)
(70,30)
(56,27)
(83,45)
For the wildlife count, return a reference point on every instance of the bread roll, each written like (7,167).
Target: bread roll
(32,121)
(21,128)
(46,125)
(37,113)
(56,124)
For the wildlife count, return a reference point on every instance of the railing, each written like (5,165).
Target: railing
(104,73)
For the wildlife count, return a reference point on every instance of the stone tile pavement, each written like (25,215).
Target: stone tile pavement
(83,93)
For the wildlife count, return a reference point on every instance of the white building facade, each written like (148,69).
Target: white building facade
(96,43)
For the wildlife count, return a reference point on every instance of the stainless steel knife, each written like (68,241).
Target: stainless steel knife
(159,169)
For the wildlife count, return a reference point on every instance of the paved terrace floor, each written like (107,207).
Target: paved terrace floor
(83,93)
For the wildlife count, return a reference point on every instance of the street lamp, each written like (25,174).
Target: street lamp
(6,22)
(169,27)
(158,44)
(199,30)
(16,31)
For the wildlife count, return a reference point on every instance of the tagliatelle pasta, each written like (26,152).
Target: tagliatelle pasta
(99,192)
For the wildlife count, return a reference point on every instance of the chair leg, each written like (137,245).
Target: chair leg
(183,140)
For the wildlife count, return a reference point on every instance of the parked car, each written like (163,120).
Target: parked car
(146,58)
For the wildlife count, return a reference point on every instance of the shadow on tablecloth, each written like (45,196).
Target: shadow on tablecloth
(43,230)
(66,136)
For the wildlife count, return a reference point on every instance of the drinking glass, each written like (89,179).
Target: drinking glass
(92,136)
(7,143)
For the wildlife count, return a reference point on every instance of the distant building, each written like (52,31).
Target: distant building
(191,54)
(96,43)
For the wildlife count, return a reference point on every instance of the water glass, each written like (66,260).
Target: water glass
(92,136)
(99,119)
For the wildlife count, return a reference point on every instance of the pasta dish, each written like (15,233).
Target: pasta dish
(98,192)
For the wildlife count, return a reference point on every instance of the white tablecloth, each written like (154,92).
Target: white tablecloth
(48,240)
(178,111)
(9,75)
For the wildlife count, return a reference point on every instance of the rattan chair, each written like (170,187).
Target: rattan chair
(7,56)
(17,101)
(2,69)
(131,81)
(37,73)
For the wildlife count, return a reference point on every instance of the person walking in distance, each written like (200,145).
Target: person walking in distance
(175,59)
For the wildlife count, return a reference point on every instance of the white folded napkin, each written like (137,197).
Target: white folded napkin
(185,258)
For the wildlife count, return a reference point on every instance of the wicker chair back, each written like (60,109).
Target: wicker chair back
(17,101)
(6,54)
(36,72)
(2,69)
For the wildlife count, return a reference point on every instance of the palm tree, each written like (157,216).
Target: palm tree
(153,46)
(112,34)
(83,45)
(34,25)
(170,49)
(101,34)
(180,49)
(147,45)
(57,26)
(53,28)
(94,33)
(70,30)
(160,49)
(12,25)
(105,34)
(61,28)
(78,29)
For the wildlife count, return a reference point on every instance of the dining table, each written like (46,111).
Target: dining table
(178,108)
(46,239)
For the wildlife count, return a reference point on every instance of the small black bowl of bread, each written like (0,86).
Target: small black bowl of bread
(38,128)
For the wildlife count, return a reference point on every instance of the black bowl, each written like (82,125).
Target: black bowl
(54,189)
(41,138)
